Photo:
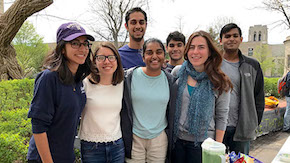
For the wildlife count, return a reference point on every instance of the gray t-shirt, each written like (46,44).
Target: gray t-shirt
(231,69)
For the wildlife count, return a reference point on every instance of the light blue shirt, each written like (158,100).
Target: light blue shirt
(150,96)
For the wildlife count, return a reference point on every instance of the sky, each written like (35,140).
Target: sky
(164,15)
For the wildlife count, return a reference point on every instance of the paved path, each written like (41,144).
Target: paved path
(266,147)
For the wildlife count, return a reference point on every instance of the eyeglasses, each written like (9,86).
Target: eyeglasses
(76,44)
(102,58)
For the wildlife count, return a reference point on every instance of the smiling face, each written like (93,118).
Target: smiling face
(175,50)
(231,40)
(106,67)
(154,56)
(76,56)
(136,26)
(198,53)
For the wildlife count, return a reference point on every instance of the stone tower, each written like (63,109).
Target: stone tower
(258,33)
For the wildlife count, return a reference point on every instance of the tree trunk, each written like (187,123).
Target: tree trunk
(10,23)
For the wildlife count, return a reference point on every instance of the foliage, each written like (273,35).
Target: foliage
(30,49)
(16,93)
(12,148)
(263,55)
(270,87)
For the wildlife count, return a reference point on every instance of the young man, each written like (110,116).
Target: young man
(175,45)
(247,97)
(136,24)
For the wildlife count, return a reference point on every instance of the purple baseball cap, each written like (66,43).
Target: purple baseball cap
(70,31)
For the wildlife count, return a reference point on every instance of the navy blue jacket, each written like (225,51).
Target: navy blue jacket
(55,109)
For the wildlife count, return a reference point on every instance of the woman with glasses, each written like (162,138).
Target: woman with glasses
(59,97)
(100,130)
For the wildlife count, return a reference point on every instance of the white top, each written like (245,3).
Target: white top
(100,120)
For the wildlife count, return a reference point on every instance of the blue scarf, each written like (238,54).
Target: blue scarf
(200,108)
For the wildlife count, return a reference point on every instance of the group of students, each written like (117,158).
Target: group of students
(152,112)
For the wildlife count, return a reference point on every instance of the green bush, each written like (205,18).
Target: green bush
(16,93)
(12,148)
(270,87)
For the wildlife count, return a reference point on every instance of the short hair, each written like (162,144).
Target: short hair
(229,27)
(150,40)
(135,9)
(118,75)
(176,36)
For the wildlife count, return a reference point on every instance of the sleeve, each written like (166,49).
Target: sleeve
(222,110)
(259,94)
(42,107)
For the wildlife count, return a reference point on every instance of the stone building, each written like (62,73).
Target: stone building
(258,35)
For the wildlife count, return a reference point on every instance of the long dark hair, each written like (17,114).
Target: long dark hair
(212,66)
(57,61)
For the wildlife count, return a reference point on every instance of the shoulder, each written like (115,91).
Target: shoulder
(175,70)
(47,75)
(251,61)
(124,48)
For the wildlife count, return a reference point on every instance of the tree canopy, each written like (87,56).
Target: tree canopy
(30,49)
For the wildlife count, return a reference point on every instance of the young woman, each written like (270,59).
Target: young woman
(100,130)
(148,115)
(59,97)
(202,100)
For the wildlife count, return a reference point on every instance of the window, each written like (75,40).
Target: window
(250,51)
(255,36)
(260,36)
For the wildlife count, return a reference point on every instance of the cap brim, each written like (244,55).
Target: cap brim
(76,35)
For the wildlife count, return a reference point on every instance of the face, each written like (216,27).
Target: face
(231,40)
(76,55)
(106,67)
(136,26)
(175,50)
(154,56)
(198,53)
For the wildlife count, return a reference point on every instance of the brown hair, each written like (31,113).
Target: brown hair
(212,66)
(118,75)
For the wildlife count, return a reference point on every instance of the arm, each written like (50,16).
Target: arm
(43,147)
(219,135)
(221,115)
(259,94)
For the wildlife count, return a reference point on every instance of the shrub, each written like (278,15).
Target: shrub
(16,93)
(12,148)
(270,87)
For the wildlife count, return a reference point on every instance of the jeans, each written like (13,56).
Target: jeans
(286,125)
(111,152)
(186,152)
(237,146)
